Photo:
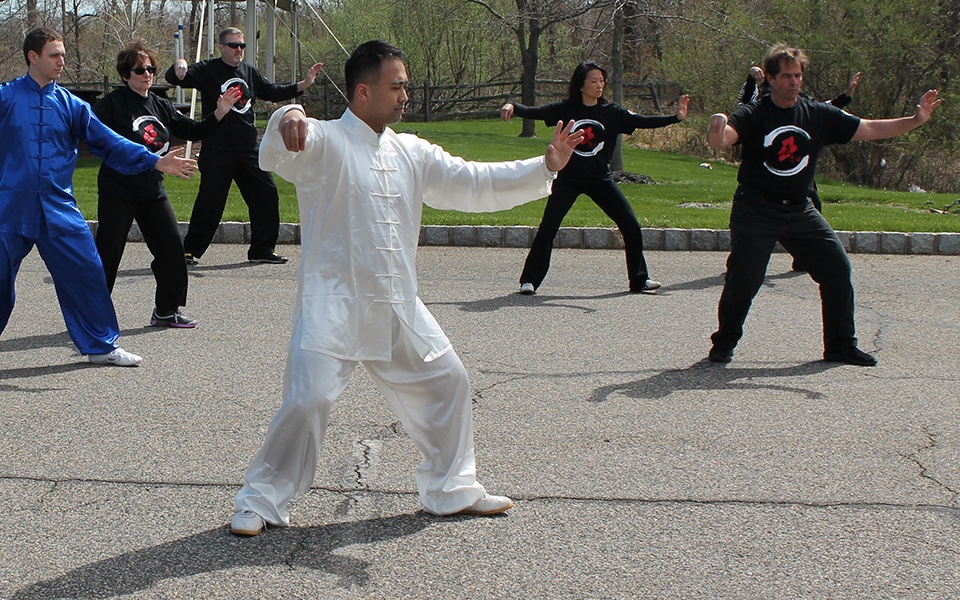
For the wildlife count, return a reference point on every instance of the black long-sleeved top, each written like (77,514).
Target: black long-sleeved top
(602,123)
(152,122)
(211,78)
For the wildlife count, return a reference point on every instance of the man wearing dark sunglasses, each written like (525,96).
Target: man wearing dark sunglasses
(231,153)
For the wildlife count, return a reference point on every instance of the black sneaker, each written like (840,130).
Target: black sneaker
(720,355)
(190,259)
(851,355)
(273,258)
(177,319)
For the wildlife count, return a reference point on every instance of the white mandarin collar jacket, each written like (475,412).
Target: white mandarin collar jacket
(361,196)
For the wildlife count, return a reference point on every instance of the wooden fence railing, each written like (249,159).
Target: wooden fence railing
(483,100)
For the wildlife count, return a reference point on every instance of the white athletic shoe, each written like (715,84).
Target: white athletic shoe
(527,289)
(488,505)
(649,286)
(246,522)
(118,357)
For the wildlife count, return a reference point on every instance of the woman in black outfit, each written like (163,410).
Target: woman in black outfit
(588,171)
(138,114)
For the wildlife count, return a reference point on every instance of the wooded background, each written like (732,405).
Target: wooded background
(700,47)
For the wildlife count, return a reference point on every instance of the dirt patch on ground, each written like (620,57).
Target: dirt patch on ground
(627,177)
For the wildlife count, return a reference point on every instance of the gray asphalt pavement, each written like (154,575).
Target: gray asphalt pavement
(640,470)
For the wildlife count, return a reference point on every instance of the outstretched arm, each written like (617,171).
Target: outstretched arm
(309,78)
(719,134)
(226,101)
(878,129)
(854,82)
(682,106)
(293,129)
(179,68)
(176,165)
(562,145)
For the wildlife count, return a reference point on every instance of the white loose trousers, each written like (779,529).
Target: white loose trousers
(432,400)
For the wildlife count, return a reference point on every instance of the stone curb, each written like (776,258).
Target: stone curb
(606,238)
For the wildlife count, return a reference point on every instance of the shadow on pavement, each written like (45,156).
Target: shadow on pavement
(217,549)
(705,375)
(516,299)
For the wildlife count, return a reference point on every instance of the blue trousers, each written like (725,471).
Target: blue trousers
(78,278)
(756,225)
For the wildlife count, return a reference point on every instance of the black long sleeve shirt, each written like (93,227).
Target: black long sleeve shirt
(152,122)
(602,124)
(213,77)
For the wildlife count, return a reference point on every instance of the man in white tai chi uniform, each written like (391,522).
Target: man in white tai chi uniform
(361,188)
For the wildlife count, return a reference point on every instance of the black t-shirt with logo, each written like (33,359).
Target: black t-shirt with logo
(781,145)
(602,124)
(151,121)
(212,78)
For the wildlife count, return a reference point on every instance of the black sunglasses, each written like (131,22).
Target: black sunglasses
(235,45)
(141,70)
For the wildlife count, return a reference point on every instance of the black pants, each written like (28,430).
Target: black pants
(612,202)
(756,225)
(158,224)
(218,169)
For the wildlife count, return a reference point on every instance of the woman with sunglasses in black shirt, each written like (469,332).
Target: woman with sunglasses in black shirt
(142,116)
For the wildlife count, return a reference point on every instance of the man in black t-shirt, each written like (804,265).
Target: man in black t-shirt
(231,153)
(782,136)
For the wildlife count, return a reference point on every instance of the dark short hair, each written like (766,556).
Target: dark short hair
(363,66)
(37,39)
(579,78)
(134,55)
(780,52)
(228,31)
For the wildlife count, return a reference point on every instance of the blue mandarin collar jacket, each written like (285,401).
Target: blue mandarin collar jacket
(40,129)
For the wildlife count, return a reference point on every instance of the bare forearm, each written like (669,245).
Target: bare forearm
(719,138)
(878,129)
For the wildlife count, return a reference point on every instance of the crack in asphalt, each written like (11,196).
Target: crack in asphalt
(924,470)
(350,496)
(363,463)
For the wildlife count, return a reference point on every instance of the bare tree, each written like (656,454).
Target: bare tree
(528,23)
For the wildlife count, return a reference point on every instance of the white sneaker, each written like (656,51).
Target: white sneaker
(118,357)
(246,522)
(488,505)
(527,289)
(650,285)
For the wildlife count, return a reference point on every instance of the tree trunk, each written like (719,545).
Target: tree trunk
(530,56)
(33,20)
(616,54)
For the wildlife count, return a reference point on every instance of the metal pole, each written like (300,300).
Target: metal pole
(270,47)
(294,41)
(210,32)
(251,38)
(193,97)
(178,42)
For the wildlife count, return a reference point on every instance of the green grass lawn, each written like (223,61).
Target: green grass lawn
(680,180)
